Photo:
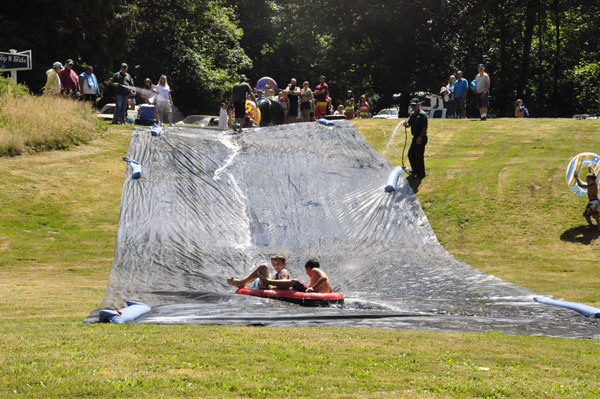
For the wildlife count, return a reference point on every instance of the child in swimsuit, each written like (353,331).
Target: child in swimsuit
(279,263)
(319,282)
(364,108)
(349,105)
(591,209)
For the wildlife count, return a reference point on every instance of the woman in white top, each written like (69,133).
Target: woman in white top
(164,101)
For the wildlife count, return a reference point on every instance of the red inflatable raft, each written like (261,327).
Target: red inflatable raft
(300,298)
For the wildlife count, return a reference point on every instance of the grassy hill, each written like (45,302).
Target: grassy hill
(495,195)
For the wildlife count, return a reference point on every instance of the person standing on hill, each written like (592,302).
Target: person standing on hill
(123,83)
(417,121)
(320,93)
(240,92)
(482,87)
(293,91)
(52,85)
(164,101)
(89,85)
(591,209)
(69,80)
(461,87)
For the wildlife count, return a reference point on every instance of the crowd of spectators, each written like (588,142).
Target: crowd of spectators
(300,103)
(64,81)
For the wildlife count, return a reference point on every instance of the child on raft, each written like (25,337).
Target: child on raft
(278,262)
(319,282)
(591,208)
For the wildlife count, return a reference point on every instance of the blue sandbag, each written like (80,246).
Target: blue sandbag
(136,168)
(326,122)
(393,179)
(133,311)
(586,310)
(156,130)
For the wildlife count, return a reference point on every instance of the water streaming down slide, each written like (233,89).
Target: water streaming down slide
(211,205)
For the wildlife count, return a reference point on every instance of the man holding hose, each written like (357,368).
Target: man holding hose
(123,84)
(417,121)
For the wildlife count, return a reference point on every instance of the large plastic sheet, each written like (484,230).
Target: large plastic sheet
(212,205)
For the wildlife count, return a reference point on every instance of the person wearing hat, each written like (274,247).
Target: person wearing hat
(123,83)
(240,92)
(69,81)
(482,87)
(52,85)
(417,121)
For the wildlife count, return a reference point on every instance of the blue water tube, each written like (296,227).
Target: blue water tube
(326,122)
(393,179)
(473,85)
(156,130)
(133,311)
(586,310)
(136,168)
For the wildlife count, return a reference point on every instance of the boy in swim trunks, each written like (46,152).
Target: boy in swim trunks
(319,282)
(591,208)
(279,263)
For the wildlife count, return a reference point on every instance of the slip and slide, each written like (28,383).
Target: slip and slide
(209,206)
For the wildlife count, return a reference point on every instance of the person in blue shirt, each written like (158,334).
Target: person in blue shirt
(460,94)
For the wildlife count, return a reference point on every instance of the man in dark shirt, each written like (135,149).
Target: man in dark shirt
(123,83)
(239,93)
(293,92)
(417,121)
(321,93)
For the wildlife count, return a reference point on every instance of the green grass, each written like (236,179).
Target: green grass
(496,197)
(58,224)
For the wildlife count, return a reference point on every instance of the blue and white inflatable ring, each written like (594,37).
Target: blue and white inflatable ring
(580,164)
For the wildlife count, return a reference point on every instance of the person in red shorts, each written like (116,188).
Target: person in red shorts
(321,92)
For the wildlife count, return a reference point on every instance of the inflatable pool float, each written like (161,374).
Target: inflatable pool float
(297,297)
(260,85)
(252,111)
(580,164)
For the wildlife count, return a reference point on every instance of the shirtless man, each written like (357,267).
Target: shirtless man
(319,282)
(279,263)
(594,203)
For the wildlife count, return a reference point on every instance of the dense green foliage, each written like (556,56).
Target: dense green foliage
(544,51)
(194,42)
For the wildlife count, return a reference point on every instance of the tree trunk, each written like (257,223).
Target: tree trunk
(532,6)
(556,60)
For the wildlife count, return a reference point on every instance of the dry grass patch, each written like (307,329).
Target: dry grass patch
(30,124)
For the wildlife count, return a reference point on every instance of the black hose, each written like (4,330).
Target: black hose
(404,148)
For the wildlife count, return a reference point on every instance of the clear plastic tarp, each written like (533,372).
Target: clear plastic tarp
(211,205)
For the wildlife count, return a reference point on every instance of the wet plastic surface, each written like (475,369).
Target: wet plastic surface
(212,205)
